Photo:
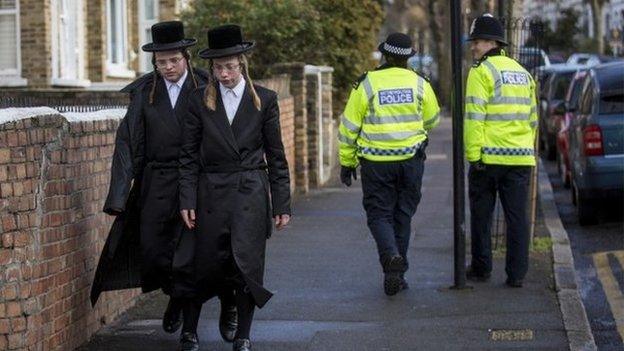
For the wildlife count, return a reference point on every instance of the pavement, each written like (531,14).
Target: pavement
(328,288)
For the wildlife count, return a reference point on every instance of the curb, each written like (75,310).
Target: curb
(572,309)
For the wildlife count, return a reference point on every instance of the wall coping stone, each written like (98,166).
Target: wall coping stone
(14,114)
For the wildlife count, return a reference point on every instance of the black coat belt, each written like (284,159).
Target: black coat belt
(232,168)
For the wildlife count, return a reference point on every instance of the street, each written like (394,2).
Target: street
(599,259)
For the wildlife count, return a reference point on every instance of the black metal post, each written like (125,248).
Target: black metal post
(501,9)
(459,216)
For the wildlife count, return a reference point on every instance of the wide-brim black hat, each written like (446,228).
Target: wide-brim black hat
(225,41)
(487,27)
(398,45)
(168,36)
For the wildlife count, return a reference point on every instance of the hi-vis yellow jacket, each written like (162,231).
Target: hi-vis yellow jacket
(387,117)
(501,115)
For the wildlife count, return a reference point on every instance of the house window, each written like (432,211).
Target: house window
(10,60)
(68,43)
(148,16)
(117,44)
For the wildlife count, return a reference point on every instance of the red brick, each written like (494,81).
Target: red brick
(6,256)
(13,274)
(6,190)
(14,309)
(5,155)
(16,341)
(21,239)
(4,326)
(9,292)
(3,342)
(18,324)
(8,223)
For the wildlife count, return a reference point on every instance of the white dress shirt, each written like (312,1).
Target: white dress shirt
(174,88)
(232,98)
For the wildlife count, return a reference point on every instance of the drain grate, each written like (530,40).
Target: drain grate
(511,334)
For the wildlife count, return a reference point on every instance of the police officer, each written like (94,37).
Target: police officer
(384,129)
(499,137)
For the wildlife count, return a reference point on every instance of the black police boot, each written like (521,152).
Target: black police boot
(172,319)
(393,267)
(513,283)
(404,285)
(228,321)
(189,342)
(476,276)
(242,345)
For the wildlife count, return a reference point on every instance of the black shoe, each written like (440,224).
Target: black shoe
(513,283)
(393,268)
(242,345)
(476,276)
(172,319)
(189,342)
(228,322)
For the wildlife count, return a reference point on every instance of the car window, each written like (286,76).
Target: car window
(611,102)
(561,85)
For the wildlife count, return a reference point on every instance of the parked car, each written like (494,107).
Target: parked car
(597,141)
(552,93)
(567,108)
(532,57)
(589,59)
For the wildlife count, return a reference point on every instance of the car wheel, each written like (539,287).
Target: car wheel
(585,209)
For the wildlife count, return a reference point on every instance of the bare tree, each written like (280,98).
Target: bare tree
(596,6)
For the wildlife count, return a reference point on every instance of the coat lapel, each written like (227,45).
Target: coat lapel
(181,103)
(166,114)
(221,120)
(245,108)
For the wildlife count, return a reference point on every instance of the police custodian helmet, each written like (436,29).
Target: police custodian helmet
(487,27)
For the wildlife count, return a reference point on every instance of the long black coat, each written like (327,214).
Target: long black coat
(223,176)
(139,251)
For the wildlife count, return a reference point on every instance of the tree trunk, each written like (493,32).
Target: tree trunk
(596,6)
(439,23)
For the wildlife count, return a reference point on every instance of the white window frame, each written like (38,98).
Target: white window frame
(58,44)
(145,24)
(13,77)
(120,69)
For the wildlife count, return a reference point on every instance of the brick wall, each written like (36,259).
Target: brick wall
(54,178)
(298,90)
(36,42)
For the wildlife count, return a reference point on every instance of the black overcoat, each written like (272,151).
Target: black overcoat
(139,250)
(236,178)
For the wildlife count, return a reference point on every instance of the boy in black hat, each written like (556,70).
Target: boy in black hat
(234,179)
(146,155)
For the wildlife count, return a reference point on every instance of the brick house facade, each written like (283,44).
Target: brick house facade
(77,43)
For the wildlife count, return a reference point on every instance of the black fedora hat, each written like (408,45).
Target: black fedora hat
(225,41)
(168,36)
(487,27)
(398,45)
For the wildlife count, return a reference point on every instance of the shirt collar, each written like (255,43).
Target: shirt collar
(237,90)
(179,83)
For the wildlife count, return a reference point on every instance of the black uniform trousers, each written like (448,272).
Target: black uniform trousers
(391,196)
(512,185)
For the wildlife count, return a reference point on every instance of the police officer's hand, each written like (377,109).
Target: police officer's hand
(188,216)
(346,173)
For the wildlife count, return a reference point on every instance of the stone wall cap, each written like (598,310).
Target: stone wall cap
(311,69)
(13,114)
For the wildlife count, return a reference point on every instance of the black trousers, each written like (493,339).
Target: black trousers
(512,185)
(391,196)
